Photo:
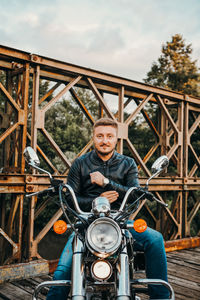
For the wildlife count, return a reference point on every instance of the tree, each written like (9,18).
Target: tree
(175,68)
(68,126)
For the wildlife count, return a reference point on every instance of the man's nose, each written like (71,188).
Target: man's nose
(105,139)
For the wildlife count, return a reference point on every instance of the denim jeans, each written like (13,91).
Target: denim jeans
(150,241)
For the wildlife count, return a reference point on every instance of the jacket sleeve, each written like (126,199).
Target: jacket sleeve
(74,180)
(130,180)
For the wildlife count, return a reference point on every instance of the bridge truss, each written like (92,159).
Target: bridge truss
(176,132)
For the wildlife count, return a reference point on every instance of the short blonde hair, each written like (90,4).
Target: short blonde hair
(105,122)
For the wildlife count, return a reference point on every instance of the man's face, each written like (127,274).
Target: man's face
(105,139)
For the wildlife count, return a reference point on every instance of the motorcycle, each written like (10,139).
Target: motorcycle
(104,260)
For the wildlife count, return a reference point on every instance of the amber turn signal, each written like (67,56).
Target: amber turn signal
(140,225)
(60,227)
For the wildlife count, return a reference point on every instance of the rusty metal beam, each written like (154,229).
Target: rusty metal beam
(30,183)
(23,270)
(22,56)
(82,106)
(100,98)
(181,244)
(61,93)
(121,119)
(56,147)
(138,109)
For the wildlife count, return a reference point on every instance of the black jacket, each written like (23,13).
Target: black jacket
(121,171)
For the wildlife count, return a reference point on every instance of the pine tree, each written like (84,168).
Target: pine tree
(175,68)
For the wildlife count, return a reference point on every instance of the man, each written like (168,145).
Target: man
(104,172)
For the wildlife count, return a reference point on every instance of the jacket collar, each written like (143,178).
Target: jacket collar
(96,159)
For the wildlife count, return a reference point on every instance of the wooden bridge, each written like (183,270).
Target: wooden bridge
(23,110)
(183,273)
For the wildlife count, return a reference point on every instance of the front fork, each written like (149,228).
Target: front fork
(77,288)
(77,282)
(123,278)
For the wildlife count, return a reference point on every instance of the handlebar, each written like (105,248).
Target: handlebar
(58,183)
(68,187)
(126,198)
(50,189)
(33,162)
(143,194)
(76,205)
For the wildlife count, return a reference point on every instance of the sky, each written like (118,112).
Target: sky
(120,37)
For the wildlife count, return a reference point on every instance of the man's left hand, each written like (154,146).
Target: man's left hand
(110,195)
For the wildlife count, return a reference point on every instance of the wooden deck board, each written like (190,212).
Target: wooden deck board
(183,273)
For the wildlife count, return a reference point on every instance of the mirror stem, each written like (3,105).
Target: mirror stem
(152,176)
(42,170)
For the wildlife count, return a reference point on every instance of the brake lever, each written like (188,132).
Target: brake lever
(160,202)
(151,197)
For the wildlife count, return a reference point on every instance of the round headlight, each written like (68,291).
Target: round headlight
(103,237)
(101,270)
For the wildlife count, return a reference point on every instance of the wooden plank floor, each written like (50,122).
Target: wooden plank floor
(183,272)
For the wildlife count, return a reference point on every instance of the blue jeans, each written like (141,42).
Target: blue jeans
(151,241)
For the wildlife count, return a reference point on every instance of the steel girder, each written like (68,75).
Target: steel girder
(173,132)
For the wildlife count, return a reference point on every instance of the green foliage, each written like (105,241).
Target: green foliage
(175,69)
(2,97)
(2,77)
(68,126)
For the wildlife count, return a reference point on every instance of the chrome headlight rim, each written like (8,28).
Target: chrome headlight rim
(93,247)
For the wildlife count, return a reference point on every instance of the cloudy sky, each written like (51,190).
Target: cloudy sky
(121,37)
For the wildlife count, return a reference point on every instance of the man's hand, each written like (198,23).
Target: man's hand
(97,177)
(110,195)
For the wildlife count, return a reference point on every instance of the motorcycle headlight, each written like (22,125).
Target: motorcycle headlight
(101,270)
(103,237)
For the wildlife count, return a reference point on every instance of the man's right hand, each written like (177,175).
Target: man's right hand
(110,195)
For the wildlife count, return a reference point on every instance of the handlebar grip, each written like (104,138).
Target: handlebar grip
(150,196)
(40,192)
(142,193)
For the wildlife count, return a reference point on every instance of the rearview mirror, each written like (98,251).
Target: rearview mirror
(31,156)
(160,164)
(33,160)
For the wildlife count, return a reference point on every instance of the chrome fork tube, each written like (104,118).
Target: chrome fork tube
(78,291)
(123,288)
